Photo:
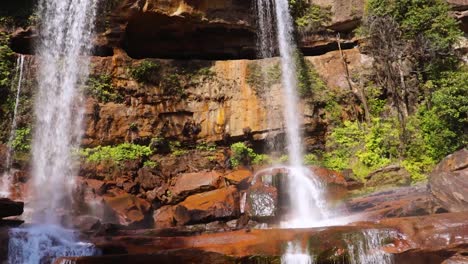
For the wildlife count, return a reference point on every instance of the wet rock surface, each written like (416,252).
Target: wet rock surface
(426,239)
(395,202)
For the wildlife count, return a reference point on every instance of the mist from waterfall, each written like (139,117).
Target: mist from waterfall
(65,41)
(7,177)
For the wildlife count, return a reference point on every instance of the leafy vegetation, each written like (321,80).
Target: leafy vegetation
(116,154)
(309,18)
(6,62)
(310,84)
(101,88)
(22,140)
(416,92)
(145,72)
(243,155)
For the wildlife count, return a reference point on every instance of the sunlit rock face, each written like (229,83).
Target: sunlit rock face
(449,182)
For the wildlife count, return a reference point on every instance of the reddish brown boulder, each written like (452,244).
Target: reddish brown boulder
(148,179)
(330,177)
(190,183)
(449,182)
(130,209)
(205,207)
(237,176)
(164,217)
(399,202)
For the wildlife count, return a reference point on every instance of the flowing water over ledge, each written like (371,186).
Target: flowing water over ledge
(44,244)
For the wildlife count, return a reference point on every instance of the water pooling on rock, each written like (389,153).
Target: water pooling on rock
(66,31)
(6,180)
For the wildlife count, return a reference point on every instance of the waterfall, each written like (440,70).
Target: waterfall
(307,205)
(65,41)
(295,255)
(7,177)
(367,250)
(306,195)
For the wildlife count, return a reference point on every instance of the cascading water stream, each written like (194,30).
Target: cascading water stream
(65,42)
(7,176)
(367,250)
(307,203)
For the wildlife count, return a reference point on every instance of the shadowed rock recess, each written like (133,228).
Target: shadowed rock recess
(174,87)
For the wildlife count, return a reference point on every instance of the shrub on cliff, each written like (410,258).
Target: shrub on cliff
(117,154)
(145,72)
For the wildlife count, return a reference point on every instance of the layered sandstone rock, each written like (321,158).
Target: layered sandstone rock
(449,182)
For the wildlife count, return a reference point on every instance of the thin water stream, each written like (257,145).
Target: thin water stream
(7,177)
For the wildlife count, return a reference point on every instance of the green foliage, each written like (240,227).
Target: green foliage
(116,154)
(310,84)
(176,148)
(381,144)
(311,159)
(243,155)
(362,147)
(150,164)
(450,102)
(101,88)
(425,24)
(203,146)
(22,140)
(6,61)
(145,72)
(309,17)
(342,144)
(260,159)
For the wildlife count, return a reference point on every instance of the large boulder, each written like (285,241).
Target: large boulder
(395,202)
(388,176)
(191,183)
(220,204)
(449,182)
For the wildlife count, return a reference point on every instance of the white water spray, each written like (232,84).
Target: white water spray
(7,177)
(368,249)
(296,255)
(63,51)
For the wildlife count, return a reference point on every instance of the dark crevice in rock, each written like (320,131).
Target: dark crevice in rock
(187,38)
(322,49)
(23,41)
